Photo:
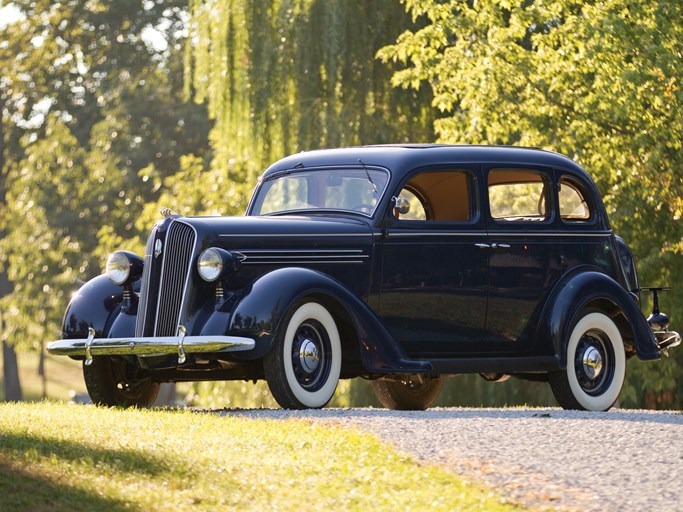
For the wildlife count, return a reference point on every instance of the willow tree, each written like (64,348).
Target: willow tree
(281,76)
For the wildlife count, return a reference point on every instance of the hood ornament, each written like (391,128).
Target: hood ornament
(168,212)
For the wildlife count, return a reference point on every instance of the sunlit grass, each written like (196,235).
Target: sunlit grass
(61,457)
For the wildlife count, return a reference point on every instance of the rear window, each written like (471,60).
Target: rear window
(573,205)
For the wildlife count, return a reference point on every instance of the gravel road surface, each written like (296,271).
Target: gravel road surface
(543,458)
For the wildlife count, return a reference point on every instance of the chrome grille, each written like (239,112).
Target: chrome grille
(175,271)
(144,288)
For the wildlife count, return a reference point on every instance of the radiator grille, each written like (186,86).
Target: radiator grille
(178,252)
(160,303)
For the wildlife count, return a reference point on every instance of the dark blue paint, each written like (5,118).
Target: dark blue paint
(475,296)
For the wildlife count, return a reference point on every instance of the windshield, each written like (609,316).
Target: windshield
(344,189)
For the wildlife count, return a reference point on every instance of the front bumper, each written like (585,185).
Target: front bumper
(148,346)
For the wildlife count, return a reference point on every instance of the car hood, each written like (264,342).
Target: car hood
(286,232)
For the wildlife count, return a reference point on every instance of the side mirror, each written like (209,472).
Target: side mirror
(402,205)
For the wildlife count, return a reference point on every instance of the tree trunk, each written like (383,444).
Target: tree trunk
(11,372)
(9,356)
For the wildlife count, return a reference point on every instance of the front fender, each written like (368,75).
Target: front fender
(96,304)
(578,291)
(260,311)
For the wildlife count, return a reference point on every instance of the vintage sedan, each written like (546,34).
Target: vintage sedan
(398,264)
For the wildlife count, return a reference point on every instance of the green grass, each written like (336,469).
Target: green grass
(63,457)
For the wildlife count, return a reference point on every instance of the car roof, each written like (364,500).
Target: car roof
(402,158)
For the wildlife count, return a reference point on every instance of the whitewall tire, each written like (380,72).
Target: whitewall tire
(596,365)
(303,367)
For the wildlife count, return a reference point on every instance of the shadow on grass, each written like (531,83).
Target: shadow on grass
(24,447)
(23,490)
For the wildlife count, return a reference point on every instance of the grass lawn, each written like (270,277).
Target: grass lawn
(55,456)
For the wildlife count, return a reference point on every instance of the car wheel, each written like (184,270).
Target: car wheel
(303,367)
(412,393)
(113,382)
(596,365)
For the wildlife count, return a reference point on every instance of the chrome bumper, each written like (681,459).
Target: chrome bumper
(149,346)
(667,339)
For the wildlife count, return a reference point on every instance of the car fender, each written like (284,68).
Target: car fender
(96,304)
(258,314)
(581,289)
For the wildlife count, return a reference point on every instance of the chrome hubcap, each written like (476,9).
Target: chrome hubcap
(309,356)
(592,362)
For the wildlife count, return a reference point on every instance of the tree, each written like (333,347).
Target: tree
(598,81)
(87,104)
(281,77)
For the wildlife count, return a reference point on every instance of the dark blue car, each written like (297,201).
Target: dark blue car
(398,264)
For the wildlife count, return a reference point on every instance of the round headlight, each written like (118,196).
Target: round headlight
(210,265)
(118,267)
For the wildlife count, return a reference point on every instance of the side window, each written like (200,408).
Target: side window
(437,196)
(517,195)
(573,206)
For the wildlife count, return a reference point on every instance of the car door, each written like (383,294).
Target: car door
(525,257)
(434,264)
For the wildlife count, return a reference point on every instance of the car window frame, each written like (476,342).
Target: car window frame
(548,176)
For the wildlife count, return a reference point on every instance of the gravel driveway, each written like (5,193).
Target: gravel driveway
(547,458)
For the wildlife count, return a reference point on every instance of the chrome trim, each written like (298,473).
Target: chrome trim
(502,234)
(436,233)
(182,332)
(550,233)
(148,346)
(309,262)
(290,235)
(303,256)
(88,346)
(281,251)
(144,287)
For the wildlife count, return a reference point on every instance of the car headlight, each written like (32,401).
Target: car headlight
(123,267)
(210,265)
(216,263)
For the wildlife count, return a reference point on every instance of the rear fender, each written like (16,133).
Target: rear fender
(261,309)
(587,289)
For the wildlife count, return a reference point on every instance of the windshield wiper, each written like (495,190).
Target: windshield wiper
(374,187)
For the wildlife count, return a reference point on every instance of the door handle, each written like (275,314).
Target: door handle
(483,246)
(500,246)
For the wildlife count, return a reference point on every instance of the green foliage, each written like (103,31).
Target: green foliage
(43,244)
(180,460)
(89,112)
(291,75)
(600,82)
